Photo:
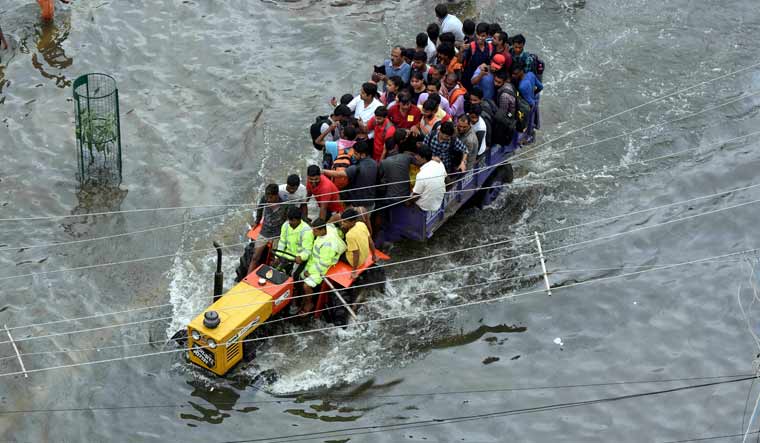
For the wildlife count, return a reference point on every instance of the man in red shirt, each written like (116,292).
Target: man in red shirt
(324,191)
(383,130)
(501,46)
(404,115)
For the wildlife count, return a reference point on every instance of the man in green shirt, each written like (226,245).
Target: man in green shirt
(296,240)
(328,246)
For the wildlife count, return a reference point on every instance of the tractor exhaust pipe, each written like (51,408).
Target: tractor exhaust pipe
(219,275)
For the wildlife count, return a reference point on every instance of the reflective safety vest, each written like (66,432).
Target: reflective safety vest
(325,253)
(298,241)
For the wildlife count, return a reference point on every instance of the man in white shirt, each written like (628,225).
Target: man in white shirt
(432,31)
(449,23)
(332,124)
(365,103)
(478,126)
(294,193)
(430,183)
(425,45)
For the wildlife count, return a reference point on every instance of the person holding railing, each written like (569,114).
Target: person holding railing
(271,213)
(444,144)
(467,135)
(529,86)
(430,183)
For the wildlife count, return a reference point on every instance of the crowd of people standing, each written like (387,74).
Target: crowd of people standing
(425,114)
(461,88)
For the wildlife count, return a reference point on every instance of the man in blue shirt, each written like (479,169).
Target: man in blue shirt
(528,84)
(396,66)
(484,78)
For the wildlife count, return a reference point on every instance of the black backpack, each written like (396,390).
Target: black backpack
(315,130)
(523,112)
(502,123)
(537,65)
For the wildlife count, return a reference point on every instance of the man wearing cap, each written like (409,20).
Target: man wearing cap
(326,251)
(501,46)
(483,76)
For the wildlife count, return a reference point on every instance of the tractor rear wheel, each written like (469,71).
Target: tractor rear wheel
(493,186)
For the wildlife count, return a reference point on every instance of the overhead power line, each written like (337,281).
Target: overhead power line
(395,317)
(606,169)
(547,251)
(352,397)
(563,136)
(370,429)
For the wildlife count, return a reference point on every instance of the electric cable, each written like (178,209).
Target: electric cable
(547,251)
(158,228)
(245,243)
(137,260)
(490,244)
(295,316)
(268,322)
(529,181)
(303,398)
(707,438)
(608,118)
(212,217)
(369,429)
(395,317)
(567,134)
(624,134)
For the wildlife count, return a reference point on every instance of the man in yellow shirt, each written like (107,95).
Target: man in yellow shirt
(359,242)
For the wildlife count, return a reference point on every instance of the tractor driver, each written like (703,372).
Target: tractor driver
(296,241)
(271,214)
(327,249)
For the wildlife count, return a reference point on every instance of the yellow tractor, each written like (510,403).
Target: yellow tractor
(225,333)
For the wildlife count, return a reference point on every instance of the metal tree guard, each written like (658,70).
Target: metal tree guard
(96,104)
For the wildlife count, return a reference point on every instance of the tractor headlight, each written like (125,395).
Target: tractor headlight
(196,335)
(211,343)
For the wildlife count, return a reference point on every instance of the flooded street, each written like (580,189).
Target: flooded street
(216,99)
